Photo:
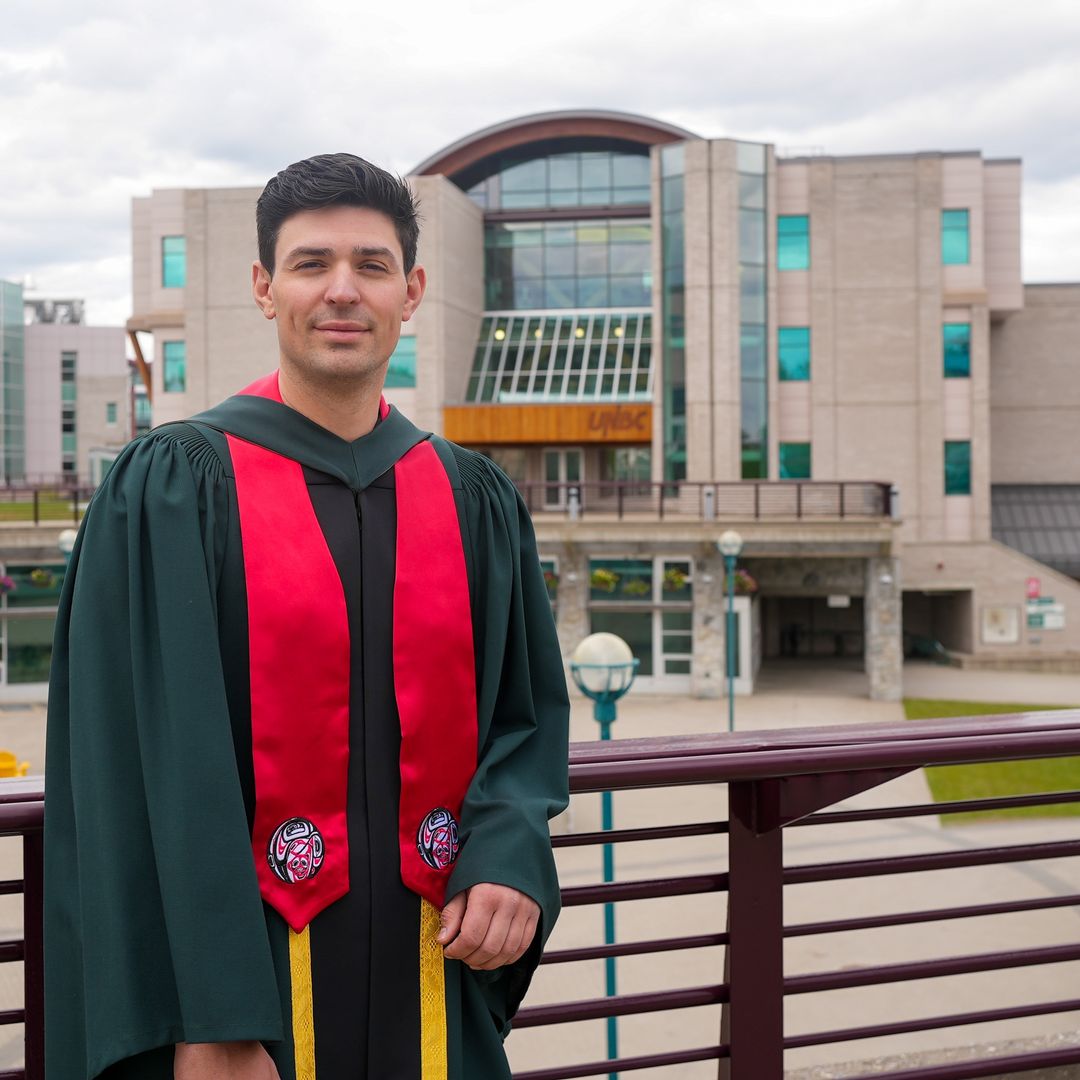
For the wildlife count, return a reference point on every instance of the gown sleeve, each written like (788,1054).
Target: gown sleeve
(523,710)
(154,929)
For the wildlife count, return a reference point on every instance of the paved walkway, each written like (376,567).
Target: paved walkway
(788,697)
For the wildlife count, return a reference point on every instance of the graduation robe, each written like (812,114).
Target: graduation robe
(155,929)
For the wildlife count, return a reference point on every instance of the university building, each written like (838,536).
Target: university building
(661,337)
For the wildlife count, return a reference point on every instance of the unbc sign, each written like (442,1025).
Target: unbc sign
(620,423)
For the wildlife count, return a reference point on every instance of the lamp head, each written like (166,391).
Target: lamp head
(602,665)
(66,541)
(730,544)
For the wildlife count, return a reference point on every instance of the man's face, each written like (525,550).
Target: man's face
(339,292)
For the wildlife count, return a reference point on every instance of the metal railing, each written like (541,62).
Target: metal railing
(33,505)
(775,781)
(744,500)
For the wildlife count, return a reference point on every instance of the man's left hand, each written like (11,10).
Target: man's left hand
(488,926)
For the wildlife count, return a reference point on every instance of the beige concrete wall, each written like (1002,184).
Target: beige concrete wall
(166,218)
(962,189)
(1034,389)
(996,575)
(1001,194)
(448,322)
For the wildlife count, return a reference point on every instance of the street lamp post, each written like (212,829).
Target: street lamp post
(729,545)
(603,667)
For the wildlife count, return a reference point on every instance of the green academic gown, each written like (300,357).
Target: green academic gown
(155,931)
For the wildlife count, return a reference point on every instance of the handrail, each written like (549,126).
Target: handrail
(773,779)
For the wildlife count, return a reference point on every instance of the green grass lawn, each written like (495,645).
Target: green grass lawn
(50,508)
(951,782)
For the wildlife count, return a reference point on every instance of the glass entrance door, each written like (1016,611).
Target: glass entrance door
(561,469)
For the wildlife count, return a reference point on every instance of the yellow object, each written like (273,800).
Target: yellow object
(432,996)
(11,766)
(303,1011)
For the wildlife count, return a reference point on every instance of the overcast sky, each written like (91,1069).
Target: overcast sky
(101,101)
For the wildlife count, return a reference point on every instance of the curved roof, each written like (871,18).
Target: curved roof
(540,127)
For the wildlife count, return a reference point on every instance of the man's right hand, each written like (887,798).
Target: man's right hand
(223,1061)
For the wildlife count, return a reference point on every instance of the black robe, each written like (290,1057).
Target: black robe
(155,930)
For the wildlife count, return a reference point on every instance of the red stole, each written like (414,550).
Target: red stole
(300,669)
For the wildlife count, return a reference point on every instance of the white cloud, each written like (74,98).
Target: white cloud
(102,102)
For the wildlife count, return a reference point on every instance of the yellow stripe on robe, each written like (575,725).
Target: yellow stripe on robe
(303,1011)
(432,996)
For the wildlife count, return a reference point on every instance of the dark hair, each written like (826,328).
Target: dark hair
(335,180)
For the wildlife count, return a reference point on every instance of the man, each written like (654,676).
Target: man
(308,717)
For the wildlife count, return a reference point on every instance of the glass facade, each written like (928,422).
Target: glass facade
(174,370)
(956,349)
(531,265)
(173,262)
(27,619)
(69,365)
(573,179)
(648,603)
(794,461)
(673,228)
(958,467)
(793,351)
(753,354)
(626,464)
(401,371)
(560,356)
(955,237)
(793,242)
(12,382)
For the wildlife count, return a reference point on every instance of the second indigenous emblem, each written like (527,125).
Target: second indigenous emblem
(437,839)
(295,851)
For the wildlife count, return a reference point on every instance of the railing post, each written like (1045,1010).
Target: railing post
(798,500)
(33,958)
(37,510)
(619,489)
(843,492)
(753,1019)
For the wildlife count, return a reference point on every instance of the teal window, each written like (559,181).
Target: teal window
(401,370)
(793,242)
(955,237)
(110,412)
(173,262)
(793,349)
(67,442)
(958,468)
(67,391)
(68,363)
(794,461)
(626,581)
(956,346)
(174,361)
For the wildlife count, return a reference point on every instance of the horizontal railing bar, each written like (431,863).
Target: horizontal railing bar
(928,969)
(719,768)
(987,1067)
(10,888)
(622,1005)
(11,951)
(12,1016)
(959,806)
(579,895)
(937,860)
(628,1064)
(930,1023)
(872,922)
(623,836)
(13,1074)
(634,948)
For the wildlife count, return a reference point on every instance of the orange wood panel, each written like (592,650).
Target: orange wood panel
(597,422)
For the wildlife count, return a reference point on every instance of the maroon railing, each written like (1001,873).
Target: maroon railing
(744,500)
(775,780)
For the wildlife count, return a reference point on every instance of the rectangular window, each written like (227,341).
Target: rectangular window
(401,371)
(173,262)
(958,468)
(110,412)
(67,442)
(174,372)
(621,581)
(794,461)
(68,360)
(956,346)
(793,242)
(955,237)
(67,391)
(793,349)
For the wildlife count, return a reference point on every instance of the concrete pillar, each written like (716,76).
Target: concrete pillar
(707,666)
(884,629)
(572,613)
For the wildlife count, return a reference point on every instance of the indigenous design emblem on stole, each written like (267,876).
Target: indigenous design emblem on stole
(295,852)
(437,839)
